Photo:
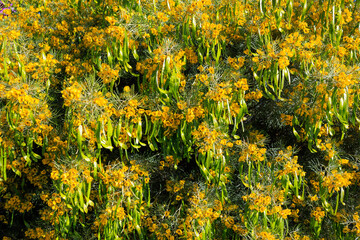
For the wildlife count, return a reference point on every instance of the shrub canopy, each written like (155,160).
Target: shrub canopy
(179,119)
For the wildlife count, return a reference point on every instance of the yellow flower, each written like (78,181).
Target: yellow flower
(266,236)
(107,74)
(285,213)
(318,214)
(55,175)
(313,198)
(283,62)
(190,116)
(111,20)
(100,101)
(211,70)
(71,94)
(127,89)
(181,105)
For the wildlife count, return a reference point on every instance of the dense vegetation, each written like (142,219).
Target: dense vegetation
(180,119)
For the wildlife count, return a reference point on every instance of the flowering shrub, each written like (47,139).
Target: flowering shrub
(200,119)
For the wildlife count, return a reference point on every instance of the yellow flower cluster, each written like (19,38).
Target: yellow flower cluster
(252,153)
(15,204)
(318,214)
(337,180)
(209,92)
(39,233)
(107,74)
(72,94)
(258,202)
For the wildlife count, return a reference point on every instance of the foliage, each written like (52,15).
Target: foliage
(179,119)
